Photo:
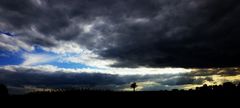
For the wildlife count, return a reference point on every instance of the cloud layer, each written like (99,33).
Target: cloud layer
(20,78)
(153,33)
(160,44)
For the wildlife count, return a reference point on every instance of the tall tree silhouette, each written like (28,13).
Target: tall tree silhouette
(134,86)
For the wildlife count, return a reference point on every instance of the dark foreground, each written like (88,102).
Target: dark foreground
(106,98)
(224,94)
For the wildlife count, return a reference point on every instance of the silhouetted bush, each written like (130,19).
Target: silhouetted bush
(3,90)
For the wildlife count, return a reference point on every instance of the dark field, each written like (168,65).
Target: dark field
(159,99)
(224,92)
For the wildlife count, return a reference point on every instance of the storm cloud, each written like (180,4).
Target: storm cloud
(150,33)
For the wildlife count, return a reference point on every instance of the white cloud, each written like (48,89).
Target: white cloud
(67,47)
(113,71)
(71,52)
(13,44)
(87,28)
(148,71)
(8,47)
(89,60)
(36,59)
(137,20)
(39,3)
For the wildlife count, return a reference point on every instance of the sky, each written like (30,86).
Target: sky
(109,44)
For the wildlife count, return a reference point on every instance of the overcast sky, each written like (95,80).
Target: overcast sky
(108,44)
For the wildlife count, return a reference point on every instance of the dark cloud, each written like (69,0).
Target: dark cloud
(184,80)
(203,36)
(57,79)
(154,33)
(215,71)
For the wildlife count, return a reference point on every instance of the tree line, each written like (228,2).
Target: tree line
(227,88)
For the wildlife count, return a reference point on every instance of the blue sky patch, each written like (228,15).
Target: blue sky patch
(10,58)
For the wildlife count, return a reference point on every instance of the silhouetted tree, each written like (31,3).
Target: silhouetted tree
(134,86)
(217,88)
(205,88)
(229,86)
(3,90)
